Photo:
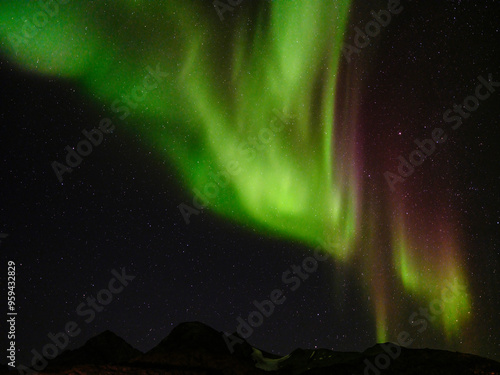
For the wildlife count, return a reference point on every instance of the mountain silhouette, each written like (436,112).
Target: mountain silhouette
(191,336)
(196,348)
(194,345)
(105,348)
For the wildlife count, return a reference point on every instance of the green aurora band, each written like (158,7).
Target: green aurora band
(225,82)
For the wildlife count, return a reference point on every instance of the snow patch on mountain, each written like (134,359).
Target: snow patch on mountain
(266,364)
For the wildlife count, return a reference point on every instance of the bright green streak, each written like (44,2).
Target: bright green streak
(221,91)
(434,285)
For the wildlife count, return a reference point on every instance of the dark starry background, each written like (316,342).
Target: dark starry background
(119,207)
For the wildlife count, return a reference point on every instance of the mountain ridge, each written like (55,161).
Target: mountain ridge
(197,348)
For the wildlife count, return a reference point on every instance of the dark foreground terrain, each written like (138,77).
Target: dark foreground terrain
(194,348)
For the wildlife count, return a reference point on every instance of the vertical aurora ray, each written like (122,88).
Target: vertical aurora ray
(430,273)
(221,92)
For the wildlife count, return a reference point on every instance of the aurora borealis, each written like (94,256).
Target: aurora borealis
(267,94)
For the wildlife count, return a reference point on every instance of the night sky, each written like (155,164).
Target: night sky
(320,177)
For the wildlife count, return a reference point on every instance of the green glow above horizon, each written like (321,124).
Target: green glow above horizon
(223,89)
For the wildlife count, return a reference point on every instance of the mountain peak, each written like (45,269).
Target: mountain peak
(105,348)
(194,335)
